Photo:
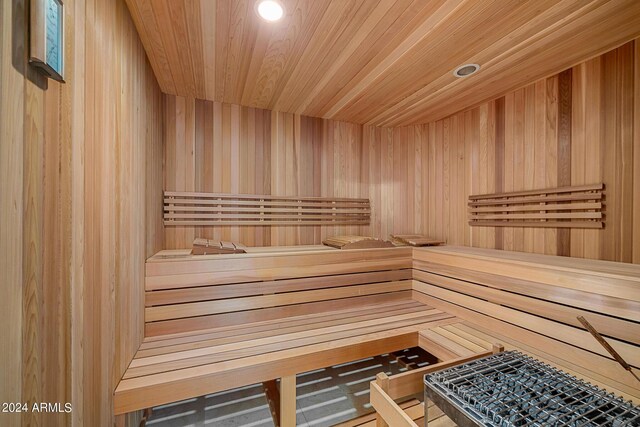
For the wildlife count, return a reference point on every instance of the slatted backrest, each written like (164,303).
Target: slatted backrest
(536,299)
(564,207)
(193,293)
(214,209)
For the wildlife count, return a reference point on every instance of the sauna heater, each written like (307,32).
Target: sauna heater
(512,389)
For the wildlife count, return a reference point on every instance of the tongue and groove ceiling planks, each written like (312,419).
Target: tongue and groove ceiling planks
(379,62)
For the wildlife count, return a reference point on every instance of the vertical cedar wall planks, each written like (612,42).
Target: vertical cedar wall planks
(79,164)
(573,128)
(217,147)
(570,129)
(12,45)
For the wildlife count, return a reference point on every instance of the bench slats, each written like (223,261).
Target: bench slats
(226,321)
(177,311)
(280,326)
(200,323)
(178,360)
(606,325)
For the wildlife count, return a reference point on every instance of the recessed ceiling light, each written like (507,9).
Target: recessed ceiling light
(270,10)
(466,70)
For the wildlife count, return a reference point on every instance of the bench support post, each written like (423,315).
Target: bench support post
(288,401)
(383,381)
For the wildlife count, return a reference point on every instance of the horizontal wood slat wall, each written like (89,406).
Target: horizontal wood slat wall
(521,142)
(219,210)
(573,207)
(224,148)
(536,299)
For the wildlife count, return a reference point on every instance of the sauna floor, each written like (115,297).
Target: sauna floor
(324,397)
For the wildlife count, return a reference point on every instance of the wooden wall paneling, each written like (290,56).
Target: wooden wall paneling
(625,124)
(415,180)
(431,178)
(75,10)
(410,179)
(520,141)
(370,139)
(400,184)
(468,161)
(439,199)
(56,239)
(518,157)
(575,127)
(76,160)
(551,158)
(12,65)
(508,166)
(636,152)
(616,148)
(123,140)
(234,147)
(33,251)
(539,155)
(479,182)
(499,161)
(610,151)
(593,141)
(528,173)
(564,148)
(578,122)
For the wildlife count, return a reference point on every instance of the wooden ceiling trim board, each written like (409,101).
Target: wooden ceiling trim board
(467,30)
(546,24)
(384,8)
(145,21)
(208,23)
(430,24)
(338,18)
(545,51)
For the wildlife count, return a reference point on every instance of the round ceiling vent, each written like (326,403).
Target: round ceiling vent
(466,70)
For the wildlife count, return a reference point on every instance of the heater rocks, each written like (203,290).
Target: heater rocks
(512,389)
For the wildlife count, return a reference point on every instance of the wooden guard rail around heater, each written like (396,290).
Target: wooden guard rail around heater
(386,390)
(563,207)
(212,209)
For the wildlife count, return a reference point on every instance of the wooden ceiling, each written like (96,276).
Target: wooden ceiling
(381,62)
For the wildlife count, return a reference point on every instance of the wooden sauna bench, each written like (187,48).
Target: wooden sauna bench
(222,321)
(216,322)
(531,302)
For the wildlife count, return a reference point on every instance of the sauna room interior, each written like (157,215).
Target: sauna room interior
(319,212)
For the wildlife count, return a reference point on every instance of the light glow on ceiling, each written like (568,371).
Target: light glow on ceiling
(270,10)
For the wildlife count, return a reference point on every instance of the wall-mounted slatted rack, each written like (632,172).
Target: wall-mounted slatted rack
(563,207)
(213,209)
